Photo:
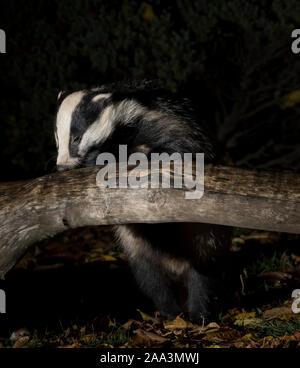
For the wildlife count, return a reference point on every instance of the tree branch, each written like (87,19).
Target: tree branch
(36,209)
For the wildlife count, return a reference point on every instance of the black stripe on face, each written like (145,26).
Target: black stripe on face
(83,116)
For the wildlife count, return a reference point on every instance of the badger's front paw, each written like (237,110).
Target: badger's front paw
(170,312)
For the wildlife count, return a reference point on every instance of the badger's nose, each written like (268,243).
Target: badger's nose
(62,167)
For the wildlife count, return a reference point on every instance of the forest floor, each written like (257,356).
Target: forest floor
(76,290)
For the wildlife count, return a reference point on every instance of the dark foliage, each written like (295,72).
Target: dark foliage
(233,58)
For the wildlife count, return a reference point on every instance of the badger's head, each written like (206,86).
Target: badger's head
(83,121)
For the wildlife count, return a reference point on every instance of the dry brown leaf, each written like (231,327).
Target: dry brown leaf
(150,336)
(21,342)
(88,338)
(223,335)
(264,237)
(245,315)
(213,347)
(19,333)
(131,322)
(238,344)
(247,337)
(211,327)
(297,335)
(295,258)
(248,322)
(138,340)
(178,332)
(287,341)
(278,312)
(108,258)
(238,241)
(177,323)
(146,316)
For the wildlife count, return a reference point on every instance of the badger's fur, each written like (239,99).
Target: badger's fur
(173,263)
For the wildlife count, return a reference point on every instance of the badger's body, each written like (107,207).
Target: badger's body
(173,263)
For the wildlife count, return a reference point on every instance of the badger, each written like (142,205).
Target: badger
(175,264)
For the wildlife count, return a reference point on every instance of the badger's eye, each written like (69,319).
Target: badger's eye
(75,140)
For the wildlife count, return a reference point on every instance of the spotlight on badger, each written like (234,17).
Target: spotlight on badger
(174,264)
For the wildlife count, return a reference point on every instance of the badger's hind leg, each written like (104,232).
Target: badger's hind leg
(154,280)
(171,293)
(199,295)
(158,285)
(174,283)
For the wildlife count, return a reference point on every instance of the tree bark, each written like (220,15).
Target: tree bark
(36,209)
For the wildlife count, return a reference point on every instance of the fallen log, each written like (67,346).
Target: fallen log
(33,210)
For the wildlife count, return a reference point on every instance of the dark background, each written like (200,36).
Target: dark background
(233,58)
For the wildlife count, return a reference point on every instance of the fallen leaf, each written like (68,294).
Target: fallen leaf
(211,327)
(19,333)
(238,241)
(248,322)
(88,339)
(150,336)
(213,347)
(295,258)
(245,315)
(278,312)
(238,344)
(21,342)
(138,340)
(297,335)
(247,337)
(108,258)
(129,323)
(287,341)
(177,323)
(264,237)
(146,316)
(223,335)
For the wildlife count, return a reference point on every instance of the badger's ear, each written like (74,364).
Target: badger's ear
(60,94)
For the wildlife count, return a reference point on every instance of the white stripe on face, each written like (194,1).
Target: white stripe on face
(98,131)
(123,112)
(101,96)
(63,128)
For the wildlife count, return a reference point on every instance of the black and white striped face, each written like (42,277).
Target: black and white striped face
(92,121)
(84,120)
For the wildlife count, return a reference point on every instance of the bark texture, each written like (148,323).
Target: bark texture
(33,210)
